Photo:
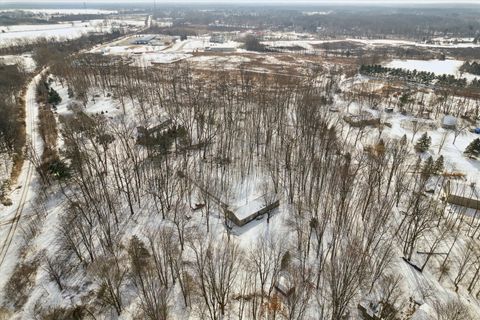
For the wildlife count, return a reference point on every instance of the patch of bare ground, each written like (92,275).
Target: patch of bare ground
(5,314)
(20,283)
(48,130)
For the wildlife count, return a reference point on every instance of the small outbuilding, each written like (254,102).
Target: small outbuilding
(449,122)
(143,40)
(221,49)
(462,194)
(362,120)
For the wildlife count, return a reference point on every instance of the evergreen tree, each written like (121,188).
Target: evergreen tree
(53,97)
(380,148)
(138,254)
(473,149)
(423,143)
(428,167)
(438,165)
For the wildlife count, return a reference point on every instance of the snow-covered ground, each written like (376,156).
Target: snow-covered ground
(11,219)
(146,55)
(245,193)
(24,61)
(438,67)
(308,44)
(455,160)
(11,34)
(63,11)
(443,140)
(100,104)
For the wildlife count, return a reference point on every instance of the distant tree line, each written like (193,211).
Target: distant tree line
(9,18)
(413,23)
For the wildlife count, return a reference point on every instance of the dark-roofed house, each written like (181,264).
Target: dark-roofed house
(144,134)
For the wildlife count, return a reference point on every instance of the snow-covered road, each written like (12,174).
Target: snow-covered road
(11,217)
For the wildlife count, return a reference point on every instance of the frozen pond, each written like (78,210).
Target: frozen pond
(438,67)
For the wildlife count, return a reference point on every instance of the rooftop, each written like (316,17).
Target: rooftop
(462,189)
(244,211)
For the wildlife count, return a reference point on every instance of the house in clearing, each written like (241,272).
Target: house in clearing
(143,134)
(362,120)
(143,39)
(244,214)
(462,194)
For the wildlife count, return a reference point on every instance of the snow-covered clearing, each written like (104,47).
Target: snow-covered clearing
(12,34)
(24,61)
(438,67)
(394,42)
(148,55)
(12,219)
(63,11)
(442,139)
(97,104)
(308,44)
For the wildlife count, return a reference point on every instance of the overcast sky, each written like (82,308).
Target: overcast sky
(254,1)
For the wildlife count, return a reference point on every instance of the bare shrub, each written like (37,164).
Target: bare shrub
(20,283)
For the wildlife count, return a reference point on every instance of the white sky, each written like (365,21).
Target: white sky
(251,1)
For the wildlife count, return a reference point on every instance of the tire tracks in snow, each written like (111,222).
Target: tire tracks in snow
(30,99)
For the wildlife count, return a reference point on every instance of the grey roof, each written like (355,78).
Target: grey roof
(449,120)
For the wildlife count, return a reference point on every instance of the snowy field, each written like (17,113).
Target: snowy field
(147,55)
(11,34)
(62,11)
(308,44)
(24,61)
(72,30)
(438,67)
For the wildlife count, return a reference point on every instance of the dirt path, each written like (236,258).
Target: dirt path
(22,195)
